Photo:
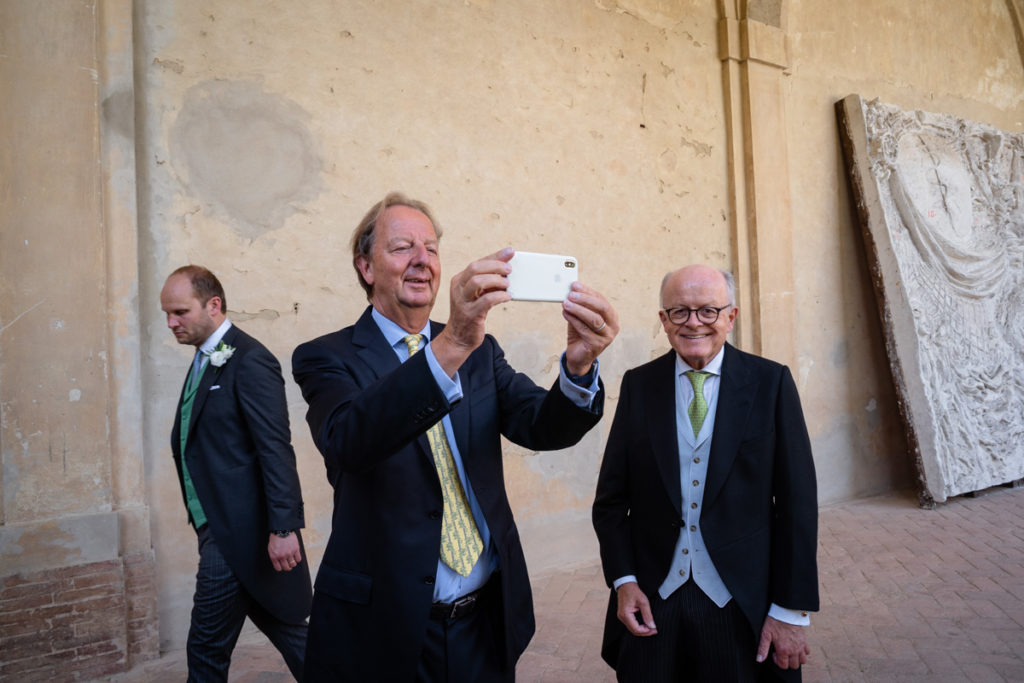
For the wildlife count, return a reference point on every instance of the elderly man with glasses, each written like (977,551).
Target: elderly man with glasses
(706,506)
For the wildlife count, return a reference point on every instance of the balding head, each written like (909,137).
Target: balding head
(699,293)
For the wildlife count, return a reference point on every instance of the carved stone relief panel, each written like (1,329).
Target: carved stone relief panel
(941,205)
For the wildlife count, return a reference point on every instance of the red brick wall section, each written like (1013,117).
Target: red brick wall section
(142,621)
(70,624)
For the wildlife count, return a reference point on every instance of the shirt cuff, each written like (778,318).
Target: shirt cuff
(450,386)
(796,617)
(629,578)
(582,395)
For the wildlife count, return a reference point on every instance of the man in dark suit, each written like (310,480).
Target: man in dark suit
(706,505)
(423,578)
(232,449)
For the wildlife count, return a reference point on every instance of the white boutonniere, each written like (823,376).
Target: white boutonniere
(220,355)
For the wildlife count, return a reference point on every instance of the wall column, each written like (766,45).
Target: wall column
(77,587)
(753,47)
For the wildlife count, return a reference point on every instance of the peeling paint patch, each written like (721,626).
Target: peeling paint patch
(170,65)
(701,149)
(642,12)
(264,314)
(247,154)
(75,395)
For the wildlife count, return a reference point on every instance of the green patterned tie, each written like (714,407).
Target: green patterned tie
(191,385)
(461,544)
(698,409)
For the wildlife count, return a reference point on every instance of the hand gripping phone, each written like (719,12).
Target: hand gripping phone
(541,277)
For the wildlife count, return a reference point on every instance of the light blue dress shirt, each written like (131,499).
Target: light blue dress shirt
(448,584)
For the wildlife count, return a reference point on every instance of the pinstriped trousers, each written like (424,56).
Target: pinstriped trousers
(696,641)
(219,608)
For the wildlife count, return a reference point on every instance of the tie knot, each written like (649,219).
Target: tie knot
(413,342)
(697,378)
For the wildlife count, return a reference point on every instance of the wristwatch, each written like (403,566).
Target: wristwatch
(282,534)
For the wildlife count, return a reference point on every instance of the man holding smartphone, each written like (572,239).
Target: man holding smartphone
(424,577)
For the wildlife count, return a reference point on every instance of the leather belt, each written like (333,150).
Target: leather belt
(455,610)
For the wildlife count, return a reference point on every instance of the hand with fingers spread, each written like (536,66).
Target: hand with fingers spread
(593,324)
(383,402)
(475,291)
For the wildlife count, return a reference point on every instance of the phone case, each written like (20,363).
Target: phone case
(541,277)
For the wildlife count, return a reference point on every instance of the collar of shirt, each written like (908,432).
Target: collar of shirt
(395,334)
(714,367)
(684,395)
(211,342)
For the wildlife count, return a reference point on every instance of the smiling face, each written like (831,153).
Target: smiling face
(189,320)
(693,287)
(404,267)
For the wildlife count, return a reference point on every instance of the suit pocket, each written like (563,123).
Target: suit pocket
(344,584)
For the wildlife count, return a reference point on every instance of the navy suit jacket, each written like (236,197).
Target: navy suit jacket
(241,462)
(368,414)
(760,512)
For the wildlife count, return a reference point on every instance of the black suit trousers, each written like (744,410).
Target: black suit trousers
(219,609)
(696,641)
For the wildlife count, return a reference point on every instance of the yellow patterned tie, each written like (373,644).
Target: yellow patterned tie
(698,409)
(461,544)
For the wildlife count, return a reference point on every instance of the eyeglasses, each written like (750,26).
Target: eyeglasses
(706,314)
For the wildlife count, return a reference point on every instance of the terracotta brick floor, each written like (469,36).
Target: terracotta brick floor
(907,595)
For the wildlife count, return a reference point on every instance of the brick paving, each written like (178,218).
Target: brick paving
(907,595)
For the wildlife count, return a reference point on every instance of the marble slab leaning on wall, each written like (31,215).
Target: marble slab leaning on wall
(941,207)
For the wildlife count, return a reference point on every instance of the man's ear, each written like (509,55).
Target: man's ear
(215,305)
(365,269)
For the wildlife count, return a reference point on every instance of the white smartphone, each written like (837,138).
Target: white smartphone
(541,277)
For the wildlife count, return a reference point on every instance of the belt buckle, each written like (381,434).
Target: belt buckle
(465,601)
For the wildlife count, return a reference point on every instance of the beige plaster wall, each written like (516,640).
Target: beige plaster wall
(962,60)
(267,131)
(590,128)
(57,491)
(263,131)
(73,507)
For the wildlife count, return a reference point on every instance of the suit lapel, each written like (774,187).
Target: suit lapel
(735,401)
(660,403)
(209,378)
(176,429)
(373,349)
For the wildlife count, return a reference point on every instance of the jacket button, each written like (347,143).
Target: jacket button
(435,514)
(429,580)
